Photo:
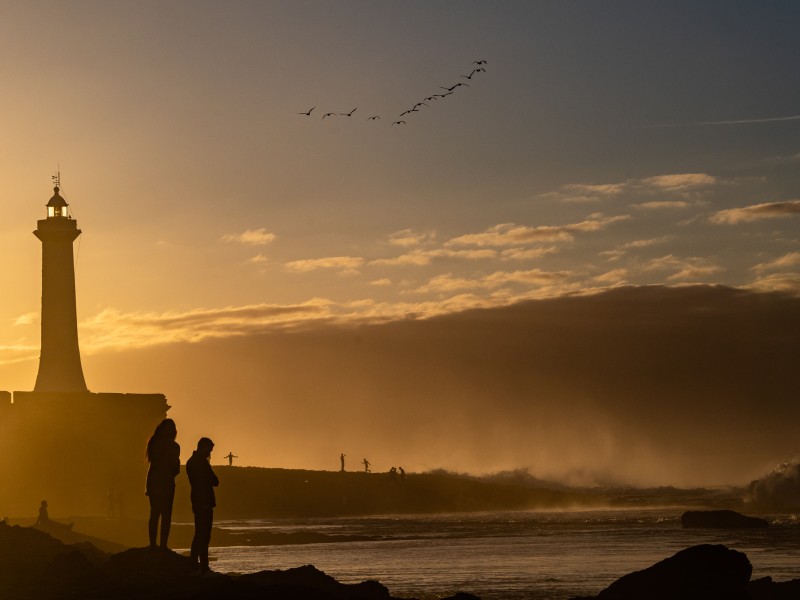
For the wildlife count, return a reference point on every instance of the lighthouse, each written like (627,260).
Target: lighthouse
(60,359)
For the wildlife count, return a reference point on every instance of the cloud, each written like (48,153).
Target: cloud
(733,122)
(757,212)
(252,237)
(787,261)
(114,329)
(678,181)
(695,272)
(408,237)
(527,253)
(27,318)
(447,283)
(381,282)
(778,282)
(692,267)
(347,264)
(646,243)
(18,352)
(657,184)
(622,249)
(614,276)
(511,234)
(257,259)
(661,204)
(425,257)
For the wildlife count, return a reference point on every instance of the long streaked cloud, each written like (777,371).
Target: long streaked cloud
(778,282)
(757,212)
(623,249)
(673,183)
(731,122)
(686,268)
(425,257)
(511,234)
(661,204)
(346,264)
(251,237)
(112,328)
(449,283)
(787,261)
(407,238)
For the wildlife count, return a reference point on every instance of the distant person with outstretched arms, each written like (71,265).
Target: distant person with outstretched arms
(164,455)
(366,465)
(230,458)
(203,481)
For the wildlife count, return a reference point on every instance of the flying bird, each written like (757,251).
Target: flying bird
(418,104)
(399,123)
(479,62)
(374,117)
(410,110)
(308,114)
(443,95)
(450,89)
(350,114)
(434,97)
(473,73)
(328,115)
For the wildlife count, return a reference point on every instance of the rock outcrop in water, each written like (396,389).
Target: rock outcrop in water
(704,572)
(721,519)
(34,565)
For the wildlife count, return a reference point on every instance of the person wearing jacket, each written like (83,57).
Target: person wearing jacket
(203,481)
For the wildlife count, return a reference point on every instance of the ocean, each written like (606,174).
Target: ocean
(531,555)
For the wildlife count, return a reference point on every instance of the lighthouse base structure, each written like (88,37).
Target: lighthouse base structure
(83,452)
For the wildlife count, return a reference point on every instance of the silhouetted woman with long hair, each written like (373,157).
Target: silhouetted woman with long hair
(164,455)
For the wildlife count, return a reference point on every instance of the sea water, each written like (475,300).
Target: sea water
(532,555)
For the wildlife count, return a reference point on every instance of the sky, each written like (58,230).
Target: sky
(603,147)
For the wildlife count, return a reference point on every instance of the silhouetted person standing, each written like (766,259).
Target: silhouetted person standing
(164,455)
(341,460)
(203,481)
(366,465)
(43,518)
(230,458)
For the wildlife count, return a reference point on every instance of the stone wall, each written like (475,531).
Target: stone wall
(73,449)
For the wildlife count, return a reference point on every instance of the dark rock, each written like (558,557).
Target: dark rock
(721,519)
(316,584)
(34,565)
(705,572)
(766,589)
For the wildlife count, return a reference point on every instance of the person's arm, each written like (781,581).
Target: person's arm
(176,459)
(213,476)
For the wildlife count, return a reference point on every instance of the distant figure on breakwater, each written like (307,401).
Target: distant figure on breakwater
(203,481)
(43,518)
(164,455)
(341,460)
(402,473)
(366,465)
(230,458)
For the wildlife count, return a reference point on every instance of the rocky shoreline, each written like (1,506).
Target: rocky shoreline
(36,566)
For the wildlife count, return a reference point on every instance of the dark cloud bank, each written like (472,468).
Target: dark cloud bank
(647,385)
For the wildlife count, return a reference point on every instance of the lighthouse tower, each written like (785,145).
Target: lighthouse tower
(60,359)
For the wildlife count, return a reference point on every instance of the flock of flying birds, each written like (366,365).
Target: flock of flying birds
(477,69)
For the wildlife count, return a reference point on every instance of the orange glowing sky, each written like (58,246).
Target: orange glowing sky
(605,145)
